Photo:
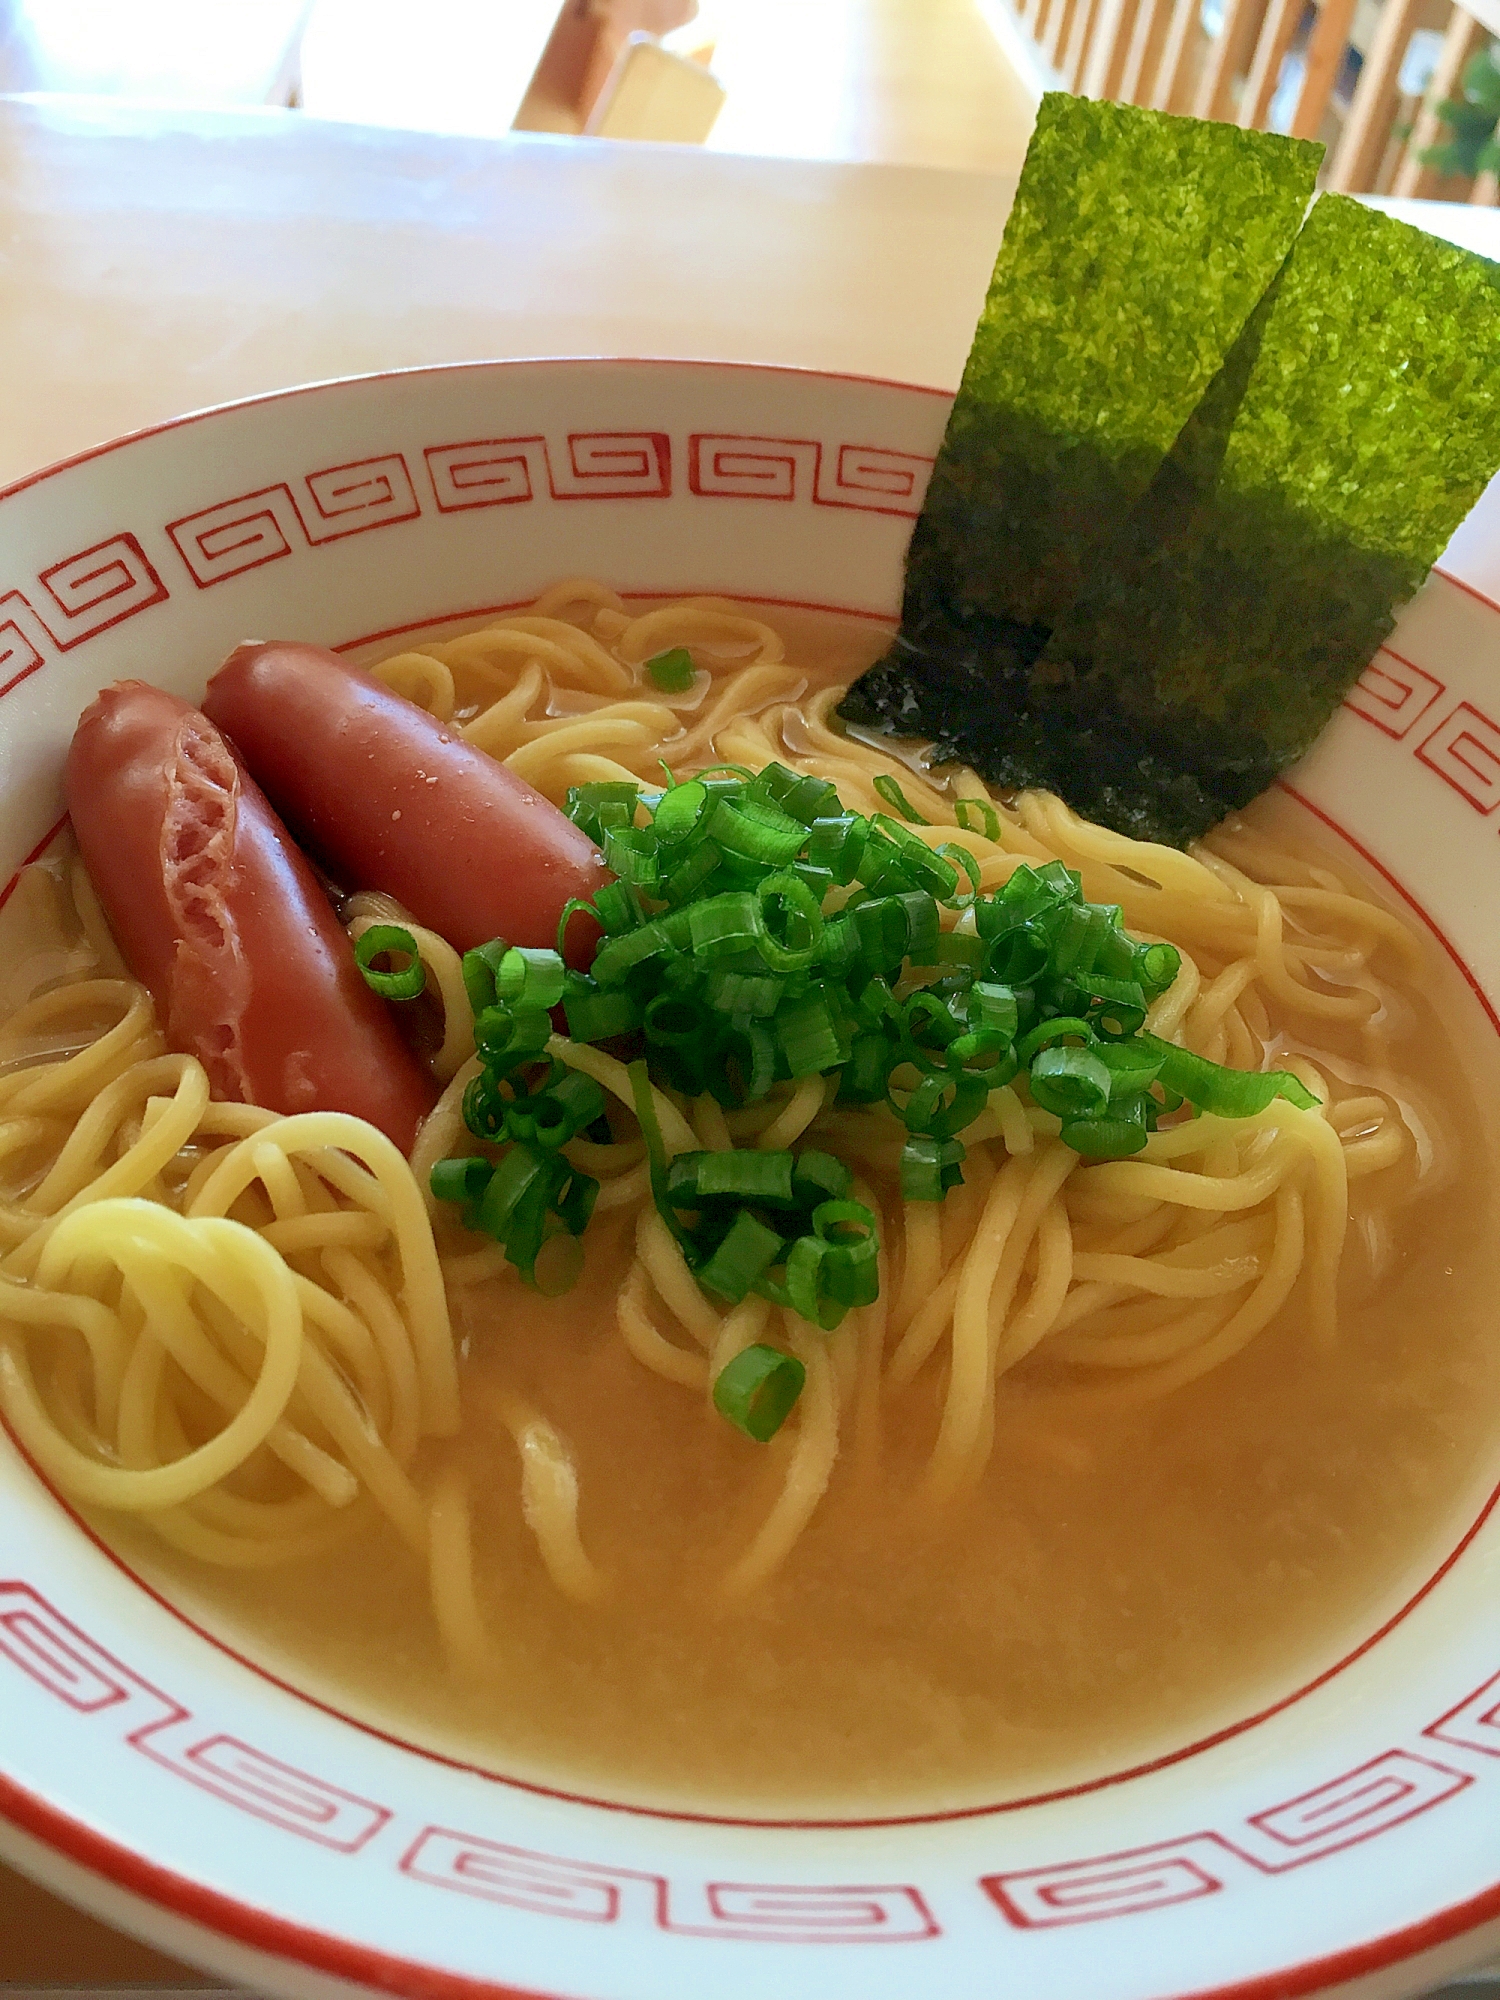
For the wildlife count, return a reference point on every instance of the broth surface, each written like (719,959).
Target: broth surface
(1129,1576)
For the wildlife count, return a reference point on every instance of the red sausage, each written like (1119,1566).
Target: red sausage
(220,915)
(393,799)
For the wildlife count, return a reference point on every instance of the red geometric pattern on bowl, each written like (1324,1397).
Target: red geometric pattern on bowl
(1113,1885)
(1378,1795)
(1382,1793)
(1464,750)
(1475,1723)
(95,589)
(1393,693)
(59,1657)
(20,654)
(487,472)
(351,499)
(612,465)
(238,535)
(869,478)
(547,1885)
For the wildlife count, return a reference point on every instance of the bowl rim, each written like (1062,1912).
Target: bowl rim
(227,1919)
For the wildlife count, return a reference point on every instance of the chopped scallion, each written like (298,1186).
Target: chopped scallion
(673,670)
(381,941)
(758,1389)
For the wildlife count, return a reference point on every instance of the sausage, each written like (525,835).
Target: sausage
(393,799)
(217,912)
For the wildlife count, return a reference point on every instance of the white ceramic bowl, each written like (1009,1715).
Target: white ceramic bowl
(1348,1836)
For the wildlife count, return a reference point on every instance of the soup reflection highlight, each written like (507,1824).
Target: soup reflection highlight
(1121,1450)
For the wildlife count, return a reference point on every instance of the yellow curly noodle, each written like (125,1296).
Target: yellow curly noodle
(237,1325)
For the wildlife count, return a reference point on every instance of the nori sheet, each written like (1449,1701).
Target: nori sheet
(1353,428)
(1155,640)
(1137,248)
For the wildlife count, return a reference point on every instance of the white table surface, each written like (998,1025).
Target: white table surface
(153,262)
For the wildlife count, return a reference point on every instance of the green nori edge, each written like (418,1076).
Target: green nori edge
(1213,623)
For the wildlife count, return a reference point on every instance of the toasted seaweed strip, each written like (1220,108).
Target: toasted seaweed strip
(1267,562)
(1137,248)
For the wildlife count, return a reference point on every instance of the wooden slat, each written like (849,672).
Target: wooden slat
(1276,32)
(1325,54)
(1153,20)
(1464,37)
(1080,33)
(1367,130)
(1228,57)
(1170,91)
(1109,45)
(1058,23)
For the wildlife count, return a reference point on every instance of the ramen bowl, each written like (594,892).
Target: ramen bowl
(1343,1836)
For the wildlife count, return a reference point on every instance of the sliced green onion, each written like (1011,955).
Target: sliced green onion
(801,798)
(529,978)
(597,806)
(766,835)
(569,1107)
(673,670)
(724,924)
(1133,1067)
(376,942)
(618,956)
(1156,966)
(632,853)
(807,1038)
(865,1074)
(801,924)
(682,812)
(558,1264)
(1111,1138)
(737,1175)
(989,819)
(1062,1028)
(618,908)
(942,1105)
(818,1177)
(960,948)
(600,1016)
(805,1284)
(758,1389)
(1017,956)
(960,858)
(1073,1083)
(994,1007)
(1230,1093)
(478,969)
(929,1167)
(462,1179)
(743,1064)
(893,795)
(757,994)
(747,1251)
(837,843)
(758,931)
